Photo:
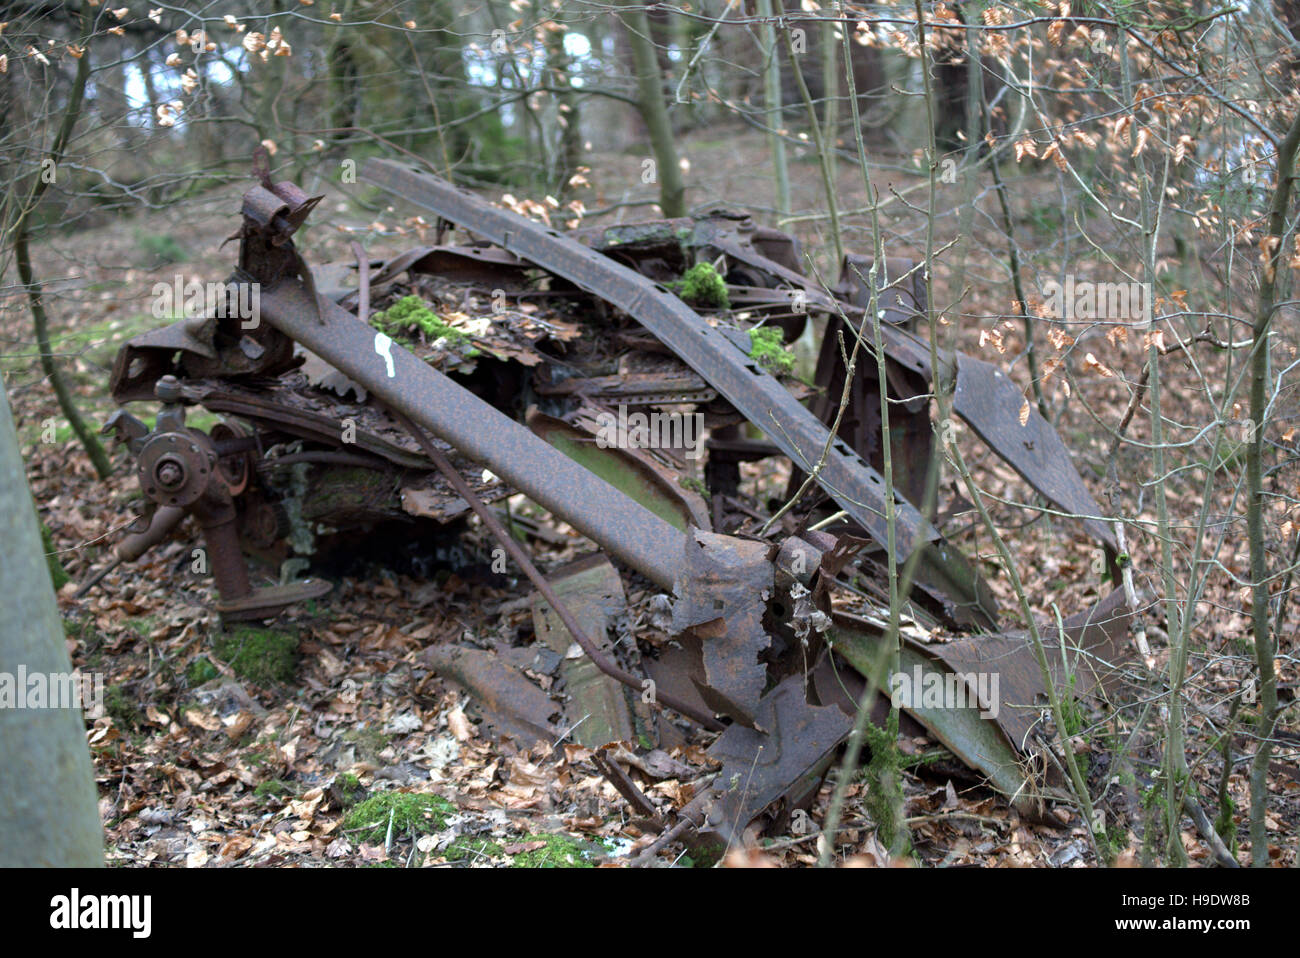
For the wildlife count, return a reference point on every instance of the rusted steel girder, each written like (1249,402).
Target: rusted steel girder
(802,437)
(455,415)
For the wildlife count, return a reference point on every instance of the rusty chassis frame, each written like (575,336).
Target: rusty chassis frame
(751,389)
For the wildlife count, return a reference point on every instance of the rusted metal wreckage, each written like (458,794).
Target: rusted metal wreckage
(335,424)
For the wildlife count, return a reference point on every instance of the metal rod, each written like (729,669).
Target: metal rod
(517,553)
(624,785)
(95,577)
(363,282)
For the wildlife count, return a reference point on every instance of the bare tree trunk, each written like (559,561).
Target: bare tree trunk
(772,105)
(569,153)
(22,257)
(650,89)
(1263,635)
(49,815)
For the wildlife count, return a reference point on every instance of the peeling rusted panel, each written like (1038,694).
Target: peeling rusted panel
(760,767)
(721,599)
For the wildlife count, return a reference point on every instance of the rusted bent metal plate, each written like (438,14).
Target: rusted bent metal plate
(1094,646)
(990,729)
(760,767)
(721,599)
(1034,449)
(466,264)
(509,699)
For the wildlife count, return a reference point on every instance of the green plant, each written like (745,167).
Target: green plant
(122,710)
(347,790)
(273,788)
(766,347)
(1226,823)
(702,286)
(884,797)
(469,849)
(558,851)
(696,486)
(259,655)
(58,577)
(200,670)
(409,812)
(410,314)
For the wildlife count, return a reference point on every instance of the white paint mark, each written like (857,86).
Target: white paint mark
(384,346)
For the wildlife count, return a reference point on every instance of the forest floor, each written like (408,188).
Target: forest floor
(322,741)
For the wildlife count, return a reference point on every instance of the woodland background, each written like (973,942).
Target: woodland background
(1008,145)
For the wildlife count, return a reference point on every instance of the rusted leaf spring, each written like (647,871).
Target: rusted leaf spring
(983,396)
(631,532)
(846,476)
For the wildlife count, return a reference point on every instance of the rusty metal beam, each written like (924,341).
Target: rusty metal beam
(986,398)
(627,529)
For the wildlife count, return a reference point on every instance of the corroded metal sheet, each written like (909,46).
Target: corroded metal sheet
(1034,449)
(1094,646)
(509,699)
(596,707)
(721,599)
(760,767)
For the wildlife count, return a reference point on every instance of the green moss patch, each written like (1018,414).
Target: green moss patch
(469,849)
(199,671)
(409,812)
(702,286)
(273,788)
(766,347)
(409,315)
(558,851)
(346,790)
(58,577)
(259,655)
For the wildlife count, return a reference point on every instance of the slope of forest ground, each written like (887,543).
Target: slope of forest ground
(324,742)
